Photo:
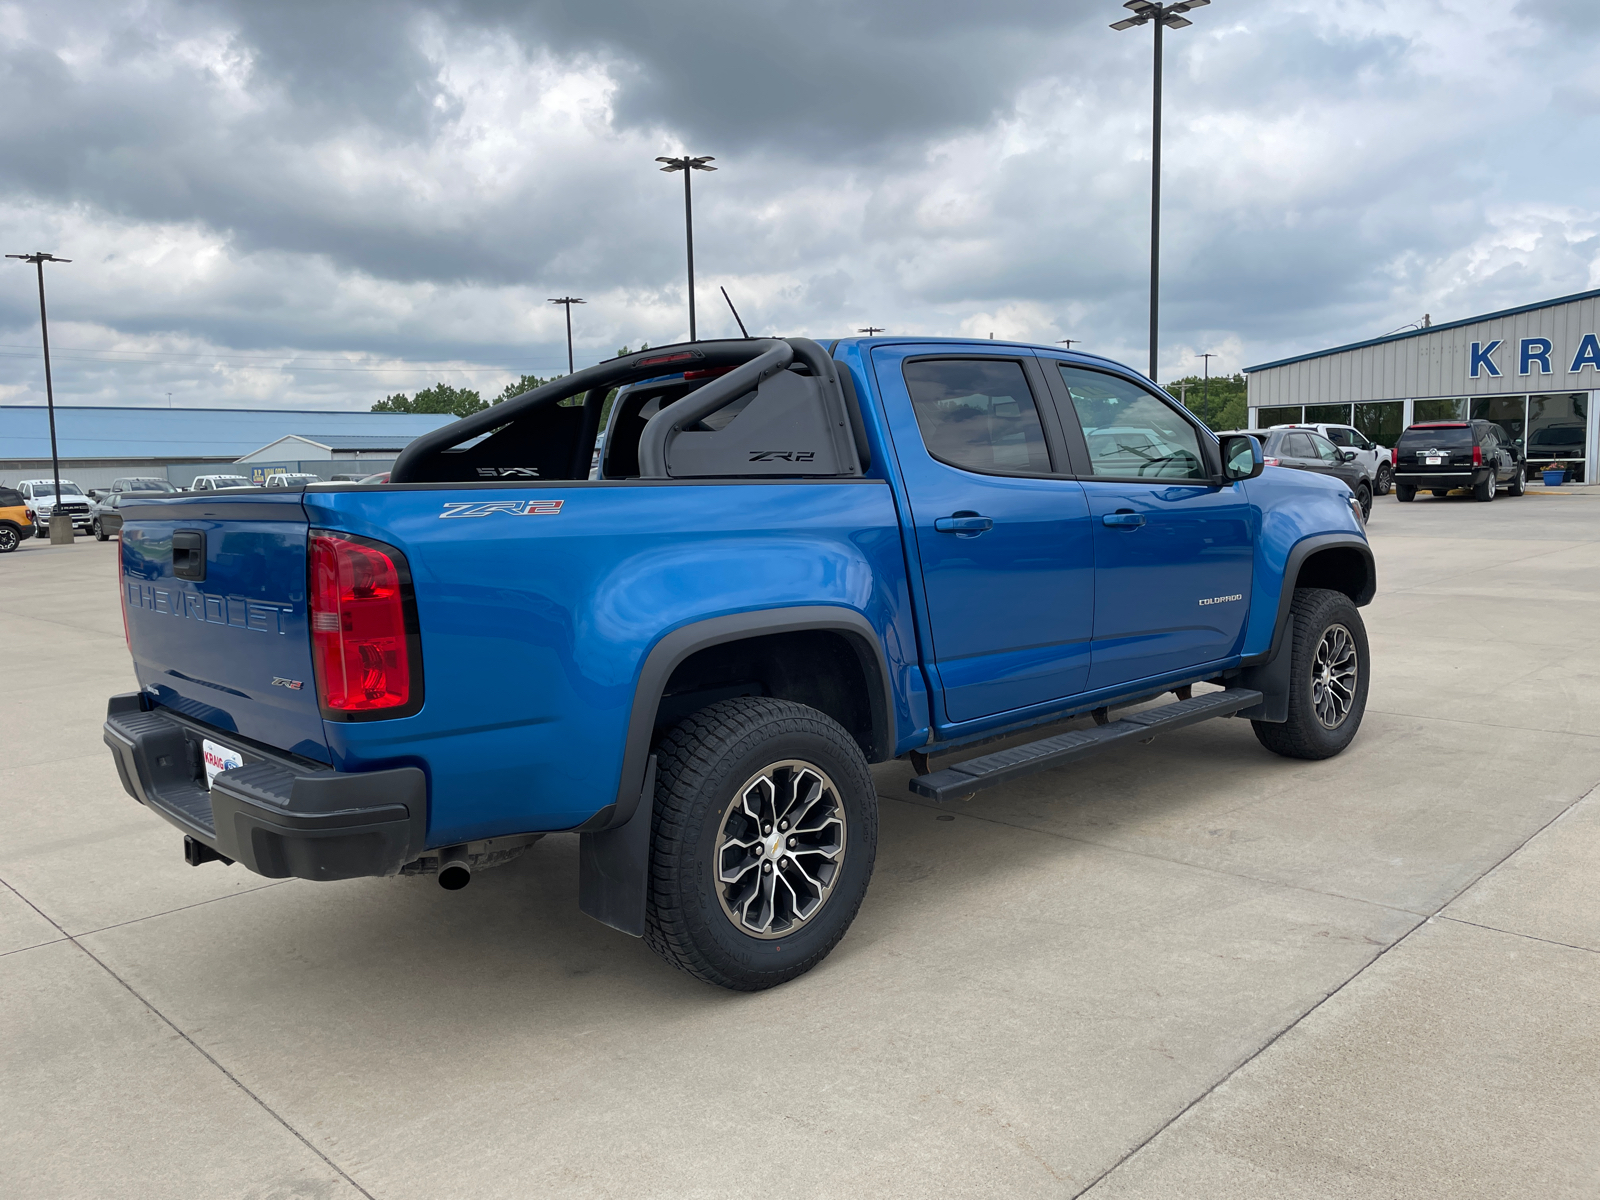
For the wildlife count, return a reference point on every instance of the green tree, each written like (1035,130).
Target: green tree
(1227,409)
(440,398)
(526,384)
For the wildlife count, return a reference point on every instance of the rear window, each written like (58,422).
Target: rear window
(1444,437)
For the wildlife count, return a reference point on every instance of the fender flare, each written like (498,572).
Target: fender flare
(1269,673)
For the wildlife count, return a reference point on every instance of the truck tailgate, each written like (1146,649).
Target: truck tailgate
(214,589)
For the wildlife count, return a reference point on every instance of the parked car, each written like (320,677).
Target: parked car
(104,517)
(888,548)
(1302,449)
(1375,458)
(136,483)
(15,522)
(292,479)
(213,483)
(40,497)
(1443,455)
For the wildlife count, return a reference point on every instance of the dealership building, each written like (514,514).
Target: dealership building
(1532,370)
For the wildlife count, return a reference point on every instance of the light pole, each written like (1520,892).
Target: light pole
(1162,16)
(60,522)
(1205,395)
(568,301)
(688,166)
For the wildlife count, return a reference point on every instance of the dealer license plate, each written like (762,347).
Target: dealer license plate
(1433,460)
(218,759)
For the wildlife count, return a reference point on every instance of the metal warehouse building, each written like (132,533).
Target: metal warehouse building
(1532,370)
(99,444)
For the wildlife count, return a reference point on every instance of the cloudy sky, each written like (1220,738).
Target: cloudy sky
(316,204)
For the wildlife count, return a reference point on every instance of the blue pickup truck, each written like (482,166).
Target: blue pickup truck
(791,560)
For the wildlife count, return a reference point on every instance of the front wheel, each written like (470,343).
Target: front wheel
(763,840)
(1364,499)
(10,539)
(1327,678)
(1384,481)
(1405,492)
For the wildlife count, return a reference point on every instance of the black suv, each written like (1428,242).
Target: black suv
(1441,455)
(1307,450)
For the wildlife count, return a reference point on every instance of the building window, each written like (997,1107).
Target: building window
(1556,430)
(1327,414)
(1382,421)
(1280,416)
(1440,410)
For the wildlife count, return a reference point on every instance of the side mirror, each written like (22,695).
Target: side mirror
(1241,457)
(1347,456)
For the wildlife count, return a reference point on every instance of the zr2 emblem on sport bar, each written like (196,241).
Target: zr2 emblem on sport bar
(489,508)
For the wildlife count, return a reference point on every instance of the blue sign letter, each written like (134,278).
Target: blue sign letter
(1481,360)
(1588,354)
(1534,350)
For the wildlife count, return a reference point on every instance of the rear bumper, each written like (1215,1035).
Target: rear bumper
(276,815)
(1439,479)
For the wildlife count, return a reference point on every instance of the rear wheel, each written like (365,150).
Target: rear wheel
(10,539)
(1385,479)
(1519,482)
(1405,492)
(1327,678)
(100,534)
(1364,499)
(764,835)
(1486,490)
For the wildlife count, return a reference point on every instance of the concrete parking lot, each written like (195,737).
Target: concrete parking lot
(1187,969)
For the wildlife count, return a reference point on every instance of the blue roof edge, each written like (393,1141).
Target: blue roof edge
(1411,333)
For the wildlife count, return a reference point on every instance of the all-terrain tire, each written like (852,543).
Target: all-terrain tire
(10,539)
(702,766)
(1486,490)
(1385,481)
(1405,492)
(1319,615)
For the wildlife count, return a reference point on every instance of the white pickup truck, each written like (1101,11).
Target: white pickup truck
(40,495)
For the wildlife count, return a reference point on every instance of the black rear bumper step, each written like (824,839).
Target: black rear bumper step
(1002,766)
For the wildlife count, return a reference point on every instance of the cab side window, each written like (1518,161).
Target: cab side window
(1131,434)
(1338,437)
(978,414)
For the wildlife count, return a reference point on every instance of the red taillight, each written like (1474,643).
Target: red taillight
(1269,462)
(1477,456)
(361,649)
(685,356)
(1394,456)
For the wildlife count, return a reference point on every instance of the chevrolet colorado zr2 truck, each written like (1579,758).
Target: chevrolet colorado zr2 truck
(793,560)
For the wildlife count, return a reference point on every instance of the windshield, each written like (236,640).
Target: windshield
(229,481)
(47,489)
(147,485)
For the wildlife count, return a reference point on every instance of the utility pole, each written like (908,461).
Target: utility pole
(1069,343)
(568,302)
(1205,396)
(1168,16)
(871,330)
(1183,387)
(688,166)
(60,522)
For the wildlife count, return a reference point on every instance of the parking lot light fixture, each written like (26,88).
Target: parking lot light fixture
(60,522)
(688,165)
(1162,16)
(568,301)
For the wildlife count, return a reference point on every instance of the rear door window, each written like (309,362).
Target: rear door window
(1130,433)
(1297,445)
(978,414)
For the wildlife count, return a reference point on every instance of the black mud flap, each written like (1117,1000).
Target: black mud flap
(1271,679)
(614,866)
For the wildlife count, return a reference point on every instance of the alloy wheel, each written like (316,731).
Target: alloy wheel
(1333,676)
(8,539)
(780,848)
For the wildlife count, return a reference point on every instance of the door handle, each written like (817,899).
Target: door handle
(967,523)
(1123,520)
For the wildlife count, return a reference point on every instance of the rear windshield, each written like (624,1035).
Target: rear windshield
(146,485)
(10,499)
(1444,437)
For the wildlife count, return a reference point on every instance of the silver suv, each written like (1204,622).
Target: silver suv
(1368,453)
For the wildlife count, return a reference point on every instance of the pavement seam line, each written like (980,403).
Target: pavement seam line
(181,908)
(35,946)
(194,1045)
(1484,724)
(1512,933)
(1295,1024)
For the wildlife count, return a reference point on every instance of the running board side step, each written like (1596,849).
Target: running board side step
(951,783)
